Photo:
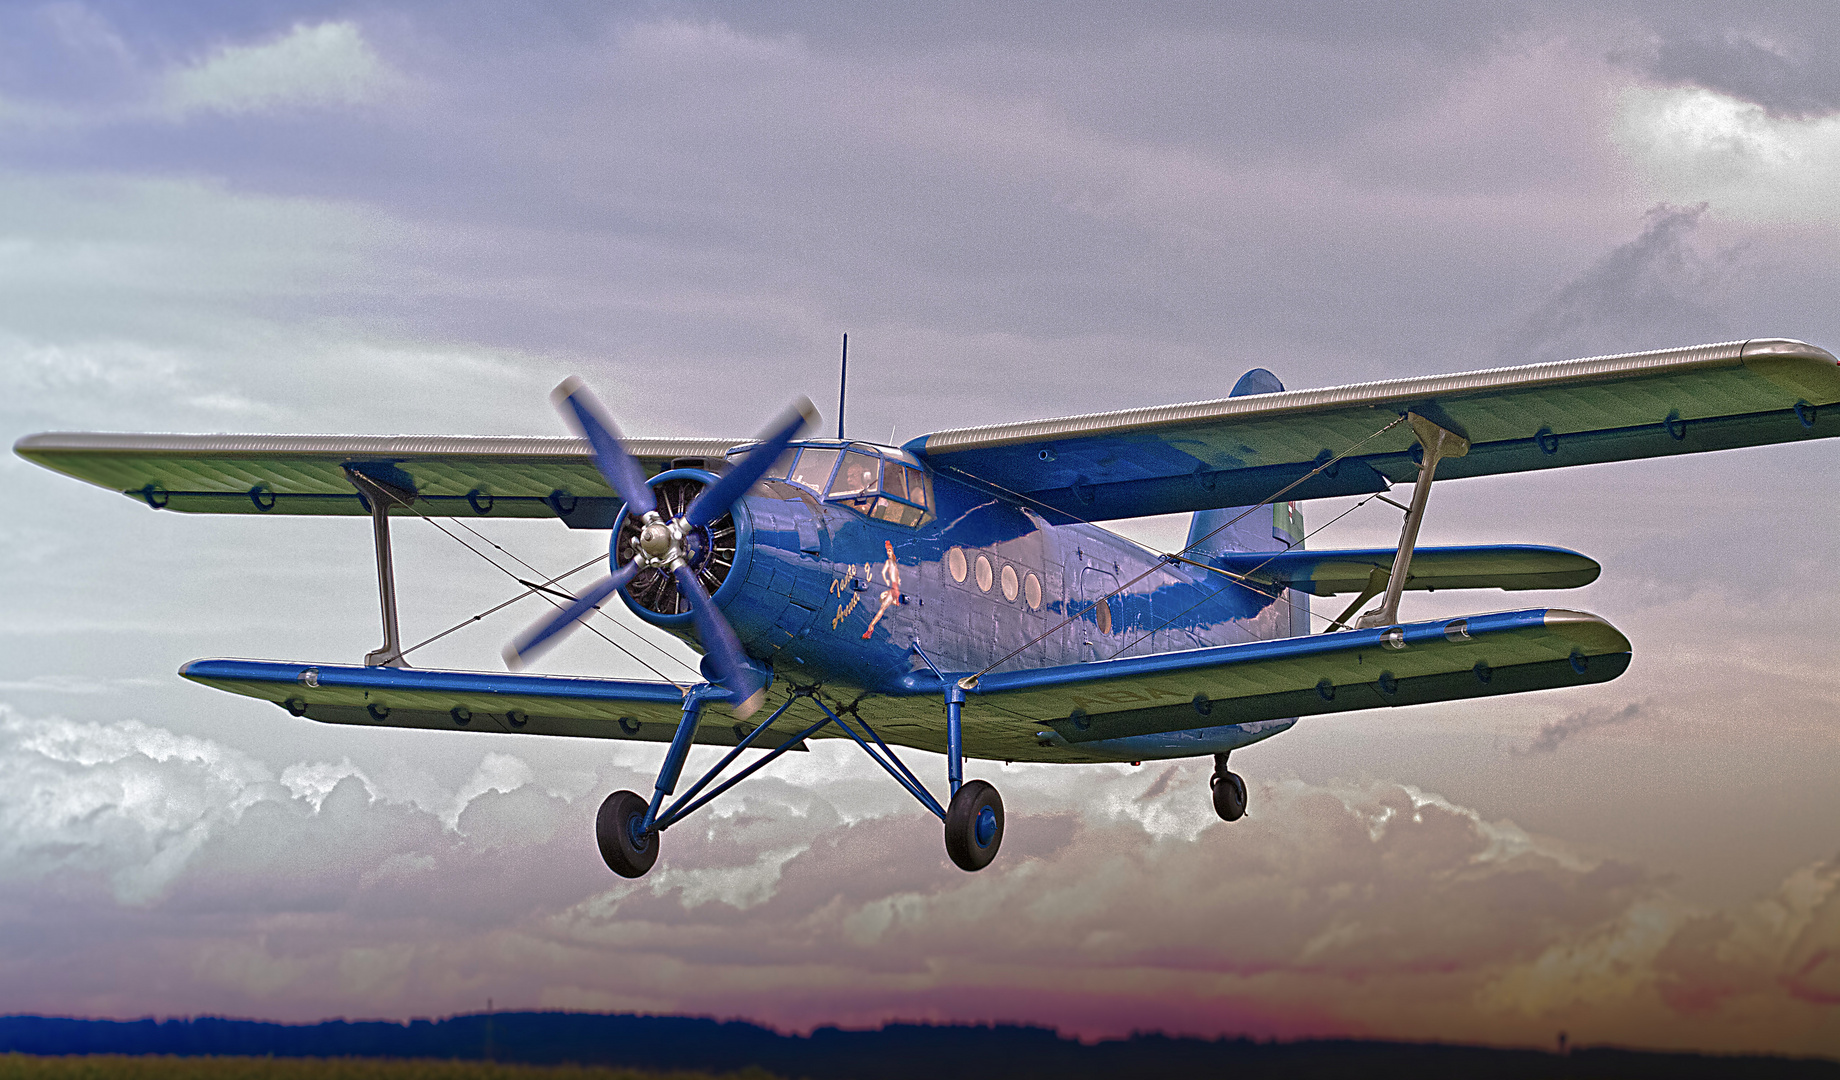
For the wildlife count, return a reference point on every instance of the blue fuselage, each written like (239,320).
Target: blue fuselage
(823,592)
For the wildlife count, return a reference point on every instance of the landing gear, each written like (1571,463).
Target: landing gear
(628,826)
(974,825)
(628,848)
(1229,791)
(974,817)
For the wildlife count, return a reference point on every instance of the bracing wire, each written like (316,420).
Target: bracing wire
(530,589)
(971,680)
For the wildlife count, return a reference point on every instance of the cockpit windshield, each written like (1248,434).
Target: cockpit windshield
(813,468)
(881,481)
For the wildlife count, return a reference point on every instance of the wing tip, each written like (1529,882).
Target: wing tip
(1786,349)
(1567,619)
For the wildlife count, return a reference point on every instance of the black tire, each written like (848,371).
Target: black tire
(974,825)
(1229,796)
(626,854)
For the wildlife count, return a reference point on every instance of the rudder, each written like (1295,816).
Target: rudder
(1278,529)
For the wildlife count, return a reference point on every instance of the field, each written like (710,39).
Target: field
(123,1067)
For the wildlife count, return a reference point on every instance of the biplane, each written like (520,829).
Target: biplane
(956,595)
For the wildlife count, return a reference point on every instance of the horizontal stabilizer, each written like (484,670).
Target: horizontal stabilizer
(1487,566)
(469,700)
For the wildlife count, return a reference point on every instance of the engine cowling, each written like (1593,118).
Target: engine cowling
(714,551)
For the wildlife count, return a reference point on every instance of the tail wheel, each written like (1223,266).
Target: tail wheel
(711,551)
(628,851)
(974,825)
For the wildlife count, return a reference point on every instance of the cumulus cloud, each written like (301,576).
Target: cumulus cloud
(311,66)
(1777,958)
(309,888)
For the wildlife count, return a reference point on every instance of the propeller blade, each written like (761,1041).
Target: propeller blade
(719,496)
(584,412)
(731,663)
(536,640)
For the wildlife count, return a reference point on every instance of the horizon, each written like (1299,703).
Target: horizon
(1552,1046)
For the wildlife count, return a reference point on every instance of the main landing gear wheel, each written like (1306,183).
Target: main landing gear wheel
(974,825)
(1229,795)
(627,851)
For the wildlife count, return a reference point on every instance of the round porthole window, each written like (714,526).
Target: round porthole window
(1102,614)
(1010,585)
(1031,591)
(983,573)
(955,562)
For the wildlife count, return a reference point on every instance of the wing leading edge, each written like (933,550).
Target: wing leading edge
(466,700)
(1240,451)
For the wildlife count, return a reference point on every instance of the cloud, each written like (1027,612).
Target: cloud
(1657,288)
(311,66)
(1552,734)
(1798,81)
(310,889)
(1747,960)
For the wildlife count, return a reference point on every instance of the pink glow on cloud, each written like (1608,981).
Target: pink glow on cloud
(1368,910)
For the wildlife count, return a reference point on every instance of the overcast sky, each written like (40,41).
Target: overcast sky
(351,217)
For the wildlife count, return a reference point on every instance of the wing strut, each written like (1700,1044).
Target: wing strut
(1436,443)
(379,496)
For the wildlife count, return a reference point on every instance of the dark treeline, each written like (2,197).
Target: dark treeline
(894,1052)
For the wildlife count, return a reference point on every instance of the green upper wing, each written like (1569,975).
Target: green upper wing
(1243,450)
(500,476)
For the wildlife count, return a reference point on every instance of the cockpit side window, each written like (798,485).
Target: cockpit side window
(916,486)
(813,469)
(860,474)
(904,496)
(894,480)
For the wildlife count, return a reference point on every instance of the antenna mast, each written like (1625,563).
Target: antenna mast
(843,383)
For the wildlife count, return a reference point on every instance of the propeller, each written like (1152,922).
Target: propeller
(662,543)
(583,410)
(719,496)
(535,641)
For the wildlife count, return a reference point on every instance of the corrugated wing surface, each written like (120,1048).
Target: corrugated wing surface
(1236,451)
(304,474)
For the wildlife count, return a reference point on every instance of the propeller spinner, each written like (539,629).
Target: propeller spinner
(663,543)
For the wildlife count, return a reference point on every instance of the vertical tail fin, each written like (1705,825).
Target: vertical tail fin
(1275,528)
